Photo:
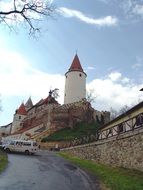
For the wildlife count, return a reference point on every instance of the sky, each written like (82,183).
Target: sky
(108,38)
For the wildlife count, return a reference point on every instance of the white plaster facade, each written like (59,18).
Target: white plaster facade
(17,122)
(75,87)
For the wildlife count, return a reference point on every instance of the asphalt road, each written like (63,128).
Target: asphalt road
(44,171)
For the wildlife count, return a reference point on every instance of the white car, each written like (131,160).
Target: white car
(2,146)
(28,147)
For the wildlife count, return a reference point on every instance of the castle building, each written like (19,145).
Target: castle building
(75,82)
(19,115)
(47,115)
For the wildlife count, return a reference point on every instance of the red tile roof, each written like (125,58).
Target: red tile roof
(21,110)
(76,66)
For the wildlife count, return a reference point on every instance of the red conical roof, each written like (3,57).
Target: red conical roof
(21,110)
(76,66)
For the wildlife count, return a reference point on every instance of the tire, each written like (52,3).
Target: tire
(27,152)
(7,150)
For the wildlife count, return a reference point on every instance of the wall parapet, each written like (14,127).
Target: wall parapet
(114,138)
(130,124)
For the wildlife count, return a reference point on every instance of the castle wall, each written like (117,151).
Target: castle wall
(118,143)
(124,151)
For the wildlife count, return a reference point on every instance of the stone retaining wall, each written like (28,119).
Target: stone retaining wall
(125,150)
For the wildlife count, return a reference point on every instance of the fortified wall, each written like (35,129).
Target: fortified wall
(62,116)
(125,150)
(117,143)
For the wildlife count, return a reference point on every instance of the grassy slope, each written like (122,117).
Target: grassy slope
(80,130)
(3,161)
(114,178)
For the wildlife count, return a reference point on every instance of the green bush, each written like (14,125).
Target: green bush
(3,160)
(67,134)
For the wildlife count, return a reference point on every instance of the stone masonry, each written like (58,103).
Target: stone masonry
(125,150)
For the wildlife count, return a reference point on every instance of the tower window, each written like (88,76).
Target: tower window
(19,117)
(66,76)
(80,75)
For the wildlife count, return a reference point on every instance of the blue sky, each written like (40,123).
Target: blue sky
(108,37)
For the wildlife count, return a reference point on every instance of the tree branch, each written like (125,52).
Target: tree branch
(29,11)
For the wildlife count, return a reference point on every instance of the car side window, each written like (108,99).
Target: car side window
(19,143)
(11,143)
(35,144)
(27,144)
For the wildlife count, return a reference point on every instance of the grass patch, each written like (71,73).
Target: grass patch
(3,160)
(67,134)
(113,178)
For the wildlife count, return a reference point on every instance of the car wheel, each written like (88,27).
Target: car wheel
(27,152)
(7,150)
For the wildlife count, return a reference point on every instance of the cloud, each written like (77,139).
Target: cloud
(103,1)
(130,10)
(90,68)
(115,91)
(114,76)
(6,6)
(133,9)
(125,80)
(18,78)
(138,9)
(136,65)
(139,63)
(105,21)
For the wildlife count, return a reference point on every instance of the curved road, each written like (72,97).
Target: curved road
(44,171)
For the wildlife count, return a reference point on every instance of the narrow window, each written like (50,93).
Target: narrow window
(110,131)
(120,128)
(139,120)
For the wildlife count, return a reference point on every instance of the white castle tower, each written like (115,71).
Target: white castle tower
(75,84)
(19,115)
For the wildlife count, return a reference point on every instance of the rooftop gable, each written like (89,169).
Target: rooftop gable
(21,110)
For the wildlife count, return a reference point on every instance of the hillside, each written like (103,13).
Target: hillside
(81,130)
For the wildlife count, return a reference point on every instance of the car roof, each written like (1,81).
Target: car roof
(23,140)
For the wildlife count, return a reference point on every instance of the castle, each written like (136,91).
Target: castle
(47,115)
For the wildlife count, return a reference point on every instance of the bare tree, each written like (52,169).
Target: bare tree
(29,12)
(54,93)
(114,113)
(124,109)
(90,96)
